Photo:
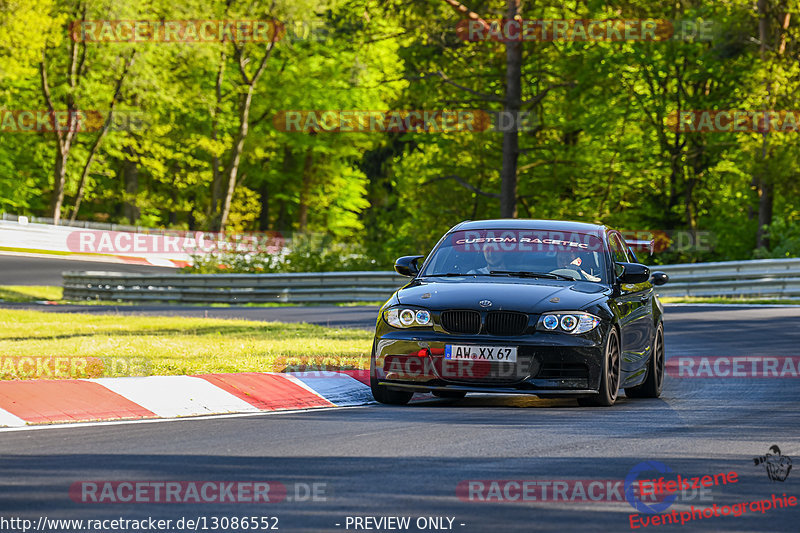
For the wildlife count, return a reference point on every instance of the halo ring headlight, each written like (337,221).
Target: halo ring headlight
(423,317)
(568,322)
(406,317)
(571,322)
(550,322)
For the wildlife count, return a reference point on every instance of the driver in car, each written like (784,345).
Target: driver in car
(495,260)
(569,264)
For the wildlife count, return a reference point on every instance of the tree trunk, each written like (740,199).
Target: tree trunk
(63,138)
(106,125)
(216,183)
(764,188)
(263,215)
(236,156)
(305,190)
(59,181)
(281,223)
(512,105)
(130,172)
(246,101)
(765,202)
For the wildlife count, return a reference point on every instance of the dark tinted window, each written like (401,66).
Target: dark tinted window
(480,252)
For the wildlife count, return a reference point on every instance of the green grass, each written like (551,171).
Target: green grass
(177,345)
(721,300)
(35,293)
(29,293)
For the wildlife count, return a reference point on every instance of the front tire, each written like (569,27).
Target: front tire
(383,394)
(652,385)
(609,380)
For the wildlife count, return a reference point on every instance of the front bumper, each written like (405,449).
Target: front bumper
(548,364)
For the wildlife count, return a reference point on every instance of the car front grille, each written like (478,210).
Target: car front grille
(496,323)
(466,322)
(558,370)
(506,323)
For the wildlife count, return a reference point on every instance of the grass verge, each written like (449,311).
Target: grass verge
(29,293)
(170,345)
(35,293)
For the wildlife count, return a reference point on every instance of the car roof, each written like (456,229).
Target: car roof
(531,224)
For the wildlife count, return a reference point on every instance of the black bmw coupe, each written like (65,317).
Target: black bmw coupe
(542,307)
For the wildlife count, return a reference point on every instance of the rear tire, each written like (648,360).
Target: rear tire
(383,394)
(652,385)
(609,380)
(450,394)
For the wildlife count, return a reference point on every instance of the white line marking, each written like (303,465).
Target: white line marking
(171,396)
(182,419)
(10,419)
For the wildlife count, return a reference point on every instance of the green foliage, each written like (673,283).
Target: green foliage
(598,146)
(784,239)
(305,253)
(25,27)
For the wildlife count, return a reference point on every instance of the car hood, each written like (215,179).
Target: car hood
(512,294)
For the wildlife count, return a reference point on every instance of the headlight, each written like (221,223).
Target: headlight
(568,322)
(573,323)
(407,318)
(423,317)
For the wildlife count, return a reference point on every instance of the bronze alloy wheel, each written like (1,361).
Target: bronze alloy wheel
(654,381)
(609,381)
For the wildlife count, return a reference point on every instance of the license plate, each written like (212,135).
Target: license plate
(500,354)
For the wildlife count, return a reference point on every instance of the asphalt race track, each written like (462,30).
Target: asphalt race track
(407,461)
(46,270)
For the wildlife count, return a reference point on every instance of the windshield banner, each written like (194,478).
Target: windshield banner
(524,241)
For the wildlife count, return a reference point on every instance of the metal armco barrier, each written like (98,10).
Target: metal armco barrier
(233,288)
(761,278)
(765,278)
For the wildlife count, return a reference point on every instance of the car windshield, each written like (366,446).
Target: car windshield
(520,253)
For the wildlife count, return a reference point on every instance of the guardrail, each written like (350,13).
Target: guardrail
(761,278)
(766,278)
(233,288)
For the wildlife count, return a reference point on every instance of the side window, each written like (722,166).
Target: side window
(617,249)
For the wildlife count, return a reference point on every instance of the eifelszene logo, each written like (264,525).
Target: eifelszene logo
(778,466)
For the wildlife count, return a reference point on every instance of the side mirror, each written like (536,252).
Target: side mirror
(632,273)
(407,265)
(659,278)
